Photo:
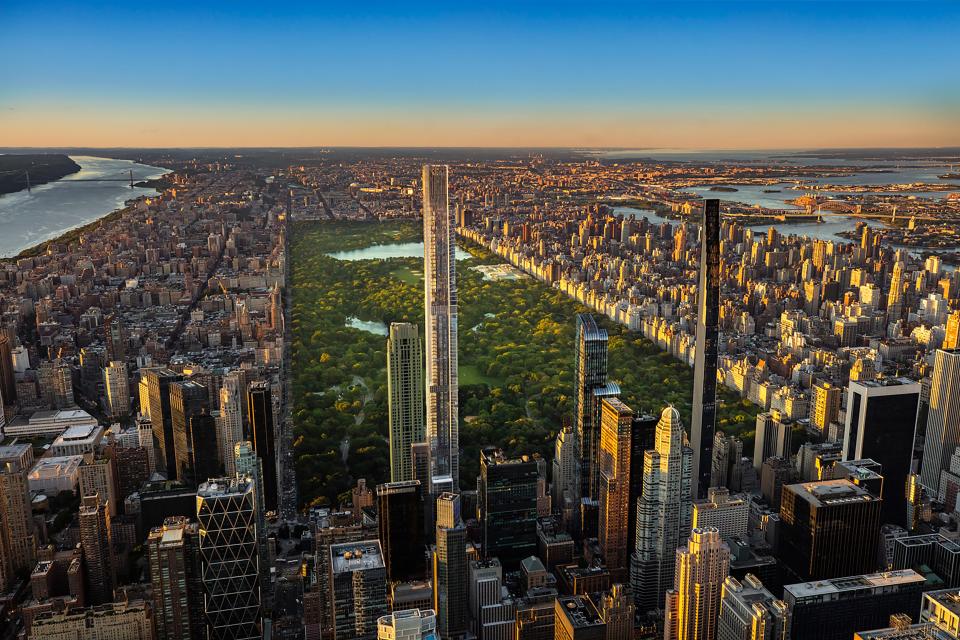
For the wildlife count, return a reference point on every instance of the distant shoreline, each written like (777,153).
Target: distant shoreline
(71,234)
(18,172)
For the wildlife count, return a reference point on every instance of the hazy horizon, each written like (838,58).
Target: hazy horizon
(746,75)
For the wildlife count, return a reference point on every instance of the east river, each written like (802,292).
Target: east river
(49,210)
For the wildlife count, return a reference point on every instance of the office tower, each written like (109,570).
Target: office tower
(590,374)
(507,507)
(173,551)
(616,427)
(232,394)
(720,465)
(97,477)
(404,397)
(18,541)
(774,437)
(125,620)
(693,604)
(728,514)
(826,405)
(835,609)
(881,416)
(440,300)
(951,339)
(260,410)
(705,364)
(450,568)
(927,552)
(748,611)
(8,381)
(775,474)
(642,437)
(158,388)
(664,512)
(408,624)
(564,479)
(187,399)
(56,384)
(95,540)
(400,518)
(229,558)
(92,364)
(943,419)
(204,450)
(939,620)
(247,464)
(144,430)
(535,616)
(115,337)
(617,611)
(576,618)
(359,581)
(895,297)
(491,616)
(829,529)
(117,386)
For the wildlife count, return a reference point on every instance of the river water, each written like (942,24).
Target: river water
(49,210)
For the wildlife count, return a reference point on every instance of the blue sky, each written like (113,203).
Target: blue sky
(506,72)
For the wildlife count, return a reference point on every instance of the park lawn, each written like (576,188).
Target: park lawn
(408,275)
(470,374)
(516,376)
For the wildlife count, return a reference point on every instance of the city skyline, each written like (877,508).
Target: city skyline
(684,75)
(457,321)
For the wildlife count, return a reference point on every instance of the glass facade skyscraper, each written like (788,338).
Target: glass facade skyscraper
(440,302)
(229,552)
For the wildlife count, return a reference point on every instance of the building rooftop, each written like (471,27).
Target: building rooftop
(831,492)
(223,486)
(55,465)
(949,599)
(356,556)
(852,584)
(77,433)
(580,612)
(13,451)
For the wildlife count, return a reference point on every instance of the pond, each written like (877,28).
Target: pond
(386,251)
(370,326)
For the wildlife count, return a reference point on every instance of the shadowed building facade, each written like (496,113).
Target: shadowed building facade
(704,419)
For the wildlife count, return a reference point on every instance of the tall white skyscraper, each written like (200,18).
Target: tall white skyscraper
(943,418)
(231,418)
(440,298)
(664,512)
(693,605)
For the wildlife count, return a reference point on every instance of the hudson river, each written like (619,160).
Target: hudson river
(49,210)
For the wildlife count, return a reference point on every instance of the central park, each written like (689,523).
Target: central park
(516,353)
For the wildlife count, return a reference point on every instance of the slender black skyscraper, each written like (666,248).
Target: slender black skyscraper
(260,405)
(704,420)
(590,374)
